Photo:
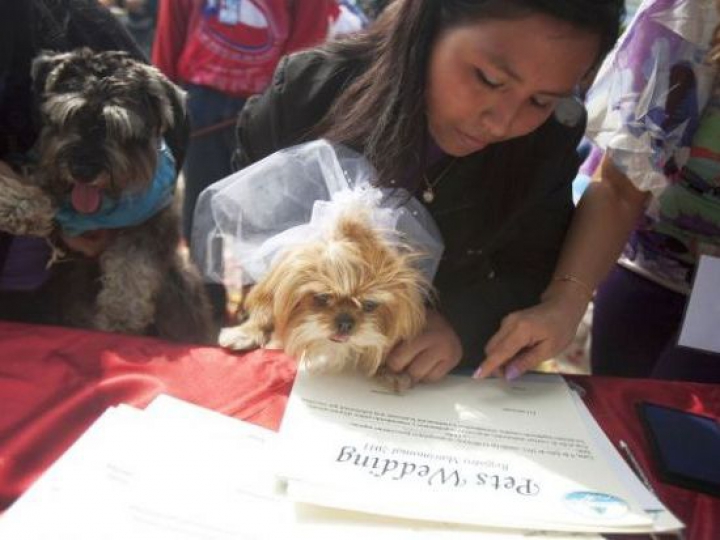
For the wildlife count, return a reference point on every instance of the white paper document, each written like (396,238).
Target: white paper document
(487,453)
(173,472)
(701,327)
(176,471)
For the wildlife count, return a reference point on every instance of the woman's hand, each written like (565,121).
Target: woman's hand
(591,248)
(528,337)
(431,355)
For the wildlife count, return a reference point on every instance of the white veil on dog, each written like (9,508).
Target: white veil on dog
(292,196)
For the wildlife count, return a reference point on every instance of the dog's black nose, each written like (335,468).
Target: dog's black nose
(84,171)
(344,323)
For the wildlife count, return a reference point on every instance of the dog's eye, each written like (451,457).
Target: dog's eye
(322,299)
(369,306)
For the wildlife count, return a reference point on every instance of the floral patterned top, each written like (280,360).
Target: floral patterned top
(655,110)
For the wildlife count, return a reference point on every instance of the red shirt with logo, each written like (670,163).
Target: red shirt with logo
(233,46)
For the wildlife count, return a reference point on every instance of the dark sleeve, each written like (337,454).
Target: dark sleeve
(520,270)
(534,240)
(260,125)
(303,88)
(524,259)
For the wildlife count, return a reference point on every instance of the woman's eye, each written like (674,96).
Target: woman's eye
(369,306)
(321,299)
(542,104)
(484,79)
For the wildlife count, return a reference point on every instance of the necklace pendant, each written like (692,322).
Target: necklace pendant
(428,196)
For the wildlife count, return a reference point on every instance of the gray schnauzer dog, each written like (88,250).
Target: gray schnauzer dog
(104,117)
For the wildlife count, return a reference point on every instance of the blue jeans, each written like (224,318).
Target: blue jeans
(212,144)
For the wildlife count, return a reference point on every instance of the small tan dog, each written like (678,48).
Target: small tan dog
(338,303)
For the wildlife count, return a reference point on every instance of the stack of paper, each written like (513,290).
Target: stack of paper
(370,463)
(525,454)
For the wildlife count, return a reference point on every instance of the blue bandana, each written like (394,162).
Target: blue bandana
(130,209)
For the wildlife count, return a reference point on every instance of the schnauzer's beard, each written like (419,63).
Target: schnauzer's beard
(344,303)
(113,166)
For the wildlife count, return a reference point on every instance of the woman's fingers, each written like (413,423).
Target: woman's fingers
(429,356)
(401,355)
(528,337)
(511,365)
(422,365)
(440,370)
(526,360)
(507,327)
(521,344)
(512,339)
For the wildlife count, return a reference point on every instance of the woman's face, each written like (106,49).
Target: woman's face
(497,79)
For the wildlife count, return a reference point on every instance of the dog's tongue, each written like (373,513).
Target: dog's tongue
(86,199)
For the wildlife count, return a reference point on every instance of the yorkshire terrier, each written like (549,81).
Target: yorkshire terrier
(104,118)
(338,303)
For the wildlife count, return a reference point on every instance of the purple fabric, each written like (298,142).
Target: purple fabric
(654,108)
(25,266)
(592,161)
(635,328)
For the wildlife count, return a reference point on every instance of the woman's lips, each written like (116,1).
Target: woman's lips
(470,141)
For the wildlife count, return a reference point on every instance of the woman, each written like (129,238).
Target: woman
(656,203)
(470,106)
(26,28)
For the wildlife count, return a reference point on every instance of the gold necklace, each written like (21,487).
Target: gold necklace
(428,193)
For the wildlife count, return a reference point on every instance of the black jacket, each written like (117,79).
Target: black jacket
(503,211)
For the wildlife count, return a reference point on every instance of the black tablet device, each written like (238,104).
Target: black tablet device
(686,447)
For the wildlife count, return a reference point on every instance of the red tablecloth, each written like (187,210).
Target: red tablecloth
(55,382)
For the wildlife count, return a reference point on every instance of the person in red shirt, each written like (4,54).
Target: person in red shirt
(222,52)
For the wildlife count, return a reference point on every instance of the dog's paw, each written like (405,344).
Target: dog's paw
(397,382)
(242,338)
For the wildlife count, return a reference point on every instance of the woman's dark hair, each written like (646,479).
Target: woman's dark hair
(382,111)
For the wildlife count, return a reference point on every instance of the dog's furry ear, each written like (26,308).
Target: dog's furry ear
(170,97)
(178,100)
(42,67)
(278,292)
(356,228)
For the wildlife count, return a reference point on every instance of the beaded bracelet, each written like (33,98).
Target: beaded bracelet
(572,279)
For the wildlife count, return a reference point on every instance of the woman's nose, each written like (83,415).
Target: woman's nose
(498,118)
